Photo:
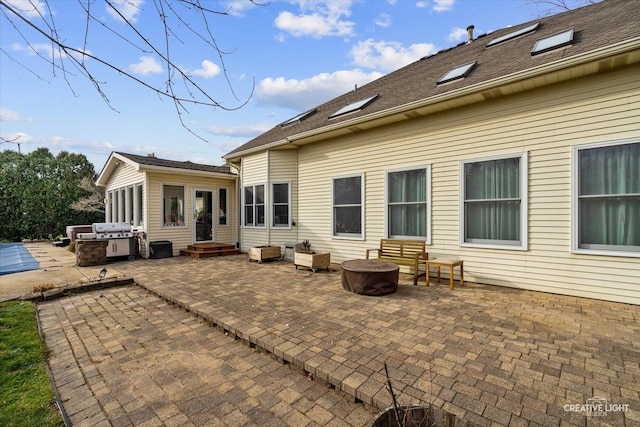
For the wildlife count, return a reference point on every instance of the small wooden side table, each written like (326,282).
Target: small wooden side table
(444,262)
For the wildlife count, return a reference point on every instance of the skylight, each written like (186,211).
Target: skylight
(553,42)
(457,73)
(354,107)
(513,35)
(299,117)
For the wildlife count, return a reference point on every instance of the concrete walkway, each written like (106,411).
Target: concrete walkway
(489,355)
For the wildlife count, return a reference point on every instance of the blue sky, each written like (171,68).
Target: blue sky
(285,57)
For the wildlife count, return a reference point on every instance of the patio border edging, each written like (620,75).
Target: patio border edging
(76,289)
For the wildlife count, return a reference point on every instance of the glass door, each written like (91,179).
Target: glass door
(203,216)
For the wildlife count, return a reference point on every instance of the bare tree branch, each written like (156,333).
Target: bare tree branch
(172,14)
(549,7)
(94,201)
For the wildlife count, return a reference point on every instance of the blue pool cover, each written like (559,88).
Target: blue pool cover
(14,257)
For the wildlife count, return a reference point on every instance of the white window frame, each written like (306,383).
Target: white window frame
(427,169)
(138,205)
(253,223)
(273,205)
(351,236)
(184,206)
(523,245)
(122,210)
(115,205)
(226,206)
(108,207)
(130,208)
(575,193)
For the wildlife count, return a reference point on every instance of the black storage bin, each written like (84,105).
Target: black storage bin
(160,249)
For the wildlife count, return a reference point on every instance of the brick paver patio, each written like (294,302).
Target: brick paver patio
(489,355)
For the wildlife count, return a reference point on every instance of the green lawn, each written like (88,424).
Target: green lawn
(26,398)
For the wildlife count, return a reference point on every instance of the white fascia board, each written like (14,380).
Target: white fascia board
(154,168)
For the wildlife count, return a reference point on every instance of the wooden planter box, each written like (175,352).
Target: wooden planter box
(312,261)
(261,253)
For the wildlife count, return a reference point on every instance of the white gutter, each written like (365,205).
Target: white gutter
(166,169)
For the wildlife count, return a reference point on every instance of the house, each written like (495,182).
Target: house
(517,151)
(180,202)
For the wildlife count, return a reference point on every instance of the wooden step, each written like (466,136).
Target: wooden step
(208,250)
(210,246)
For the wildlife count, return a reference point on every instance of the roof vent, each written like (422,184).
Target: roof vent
(470,33)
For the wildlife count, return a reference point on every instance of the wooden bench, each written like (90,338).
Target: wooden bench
(403,252)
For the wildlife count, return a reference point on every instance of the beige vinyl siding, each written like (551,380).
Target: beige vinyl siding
(227,233)
(182,236)
(545,123)
(254,171)
(123,176)
(279,166)
(283,166)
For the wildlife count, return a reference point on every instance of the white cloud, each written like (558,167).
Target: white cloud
(438,5)
(248,131)
(457,35)
(7,115)
(32,49)
(129,9)
(443,5)
(57,144)
(300,95)
(29,8)
(383,20)
(238,7)
(386,55)
(208,70)
(147,65)
(46,49)
(18,138)
(317,19)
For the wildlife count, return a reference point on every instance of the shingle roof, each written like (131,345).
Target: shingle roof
(596,26)
(154,161)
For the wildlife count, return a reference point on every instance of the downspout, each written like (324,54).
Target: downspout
(239,207)
(145,239)
(267,201)
(293,221)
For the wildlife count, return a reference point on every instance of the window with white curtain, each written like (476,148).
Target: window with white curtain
(606,198)
(494,202)
(408,194)
(254,206)
(348,206)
